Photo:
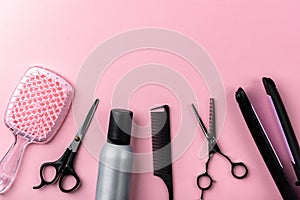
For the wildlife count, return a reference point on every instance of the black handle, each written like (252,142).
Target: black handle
(204,188)
(238,165)
(57,165)
(235,166)
(69,171)
(204,176)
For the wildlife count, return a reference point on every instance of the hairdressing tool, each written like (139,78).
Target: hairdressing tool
(285,124)
(34,114)
(116,158)
(214,148)
(264,146)
(64,166)
(161,146)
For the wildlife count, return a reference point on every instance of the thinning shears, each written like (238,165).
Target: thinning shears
(238,169)
(64,165)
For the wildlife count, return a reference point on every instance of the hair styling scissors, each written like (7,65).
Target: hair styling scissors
(64,165)
(214,148)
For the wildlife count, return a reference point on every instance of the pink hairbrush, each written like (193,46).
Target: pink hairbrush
(34,114)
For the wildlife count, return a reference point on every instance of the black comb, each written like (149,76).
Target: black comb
(161,146)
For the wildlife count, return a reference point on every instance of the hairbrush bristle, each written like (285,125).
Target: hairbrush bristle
(36,104)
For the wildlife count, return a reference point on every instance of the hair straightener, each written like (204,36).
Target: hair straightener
(262,141)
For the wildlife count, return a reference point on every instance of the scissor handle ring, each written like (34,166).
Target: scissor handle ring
(68,172)
(239,165)
(44,182)
(204,175)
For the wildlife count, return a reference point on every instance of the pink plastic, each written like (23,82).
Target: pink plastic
(35,112)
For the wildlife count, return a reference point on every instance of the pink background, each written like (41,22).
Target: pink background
(246,40)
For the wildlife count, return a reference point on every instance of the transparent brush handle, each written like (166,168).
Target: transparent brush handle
(10,162)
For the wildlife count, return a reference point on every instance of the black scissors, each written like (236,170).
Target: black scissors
(64,165)
(214,148)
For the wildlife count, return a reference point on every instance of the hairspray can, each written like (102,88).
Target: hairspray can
(116,158)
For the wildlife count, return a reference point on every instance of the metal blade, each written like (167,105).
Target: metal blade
(81,132)
(204,130)
(212,119)
(88,119)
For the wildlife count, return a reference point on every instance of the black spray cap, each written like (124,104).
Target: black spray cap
(119,129)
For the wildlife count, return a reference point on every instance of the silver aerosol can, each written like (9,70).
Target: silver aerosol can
(116,158)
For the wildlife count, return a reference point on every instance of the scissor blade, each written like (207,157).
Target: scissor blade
(204,130)
(81,132)
(212,119)
(88,119)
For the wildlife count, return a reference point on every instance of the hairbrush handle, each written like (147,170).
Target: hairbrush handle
(10,162)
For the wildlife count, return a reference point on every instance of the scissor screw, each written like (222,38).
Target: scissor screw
(77,138)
